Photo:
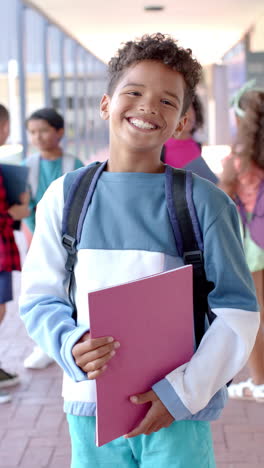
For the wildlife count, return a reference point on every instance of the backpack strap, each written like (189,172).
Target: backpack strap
(163,154)
(189,242)
(67,163)
(76,204)
(33,163)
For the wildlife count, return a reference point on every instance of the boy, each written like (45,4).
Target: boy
(46,129)
(9,254)
(127,235)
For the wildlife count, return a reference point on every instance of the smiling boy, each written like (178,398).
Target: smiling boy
(127,235)
(138,125)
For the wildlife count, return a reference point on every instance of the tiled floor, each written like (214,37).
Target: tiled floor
(33,430)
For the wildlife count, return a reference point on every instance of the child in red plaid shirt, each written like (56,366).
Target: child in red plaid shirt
(9,254)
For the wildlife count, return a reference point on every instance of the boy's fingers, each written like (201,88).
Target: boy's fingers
(95,354)
(98,343)
(84,346)
(92,355)
(143,428)
(93,360)
(95,374)
(98,363)
(95,342)
(144,398)
(157,416)
(150,424)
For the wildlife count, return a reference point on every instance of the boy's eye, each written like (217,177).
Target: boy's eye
(134,93)
(168,103)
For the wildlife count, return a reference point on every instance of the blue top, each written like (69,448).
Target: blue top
(127,235)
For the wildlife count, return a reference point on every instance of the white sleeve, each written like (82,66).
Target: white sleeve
(227,343)
(223,351)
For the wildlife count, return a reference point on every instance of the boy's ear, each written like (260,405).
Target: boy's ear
(180,127)
(104,107)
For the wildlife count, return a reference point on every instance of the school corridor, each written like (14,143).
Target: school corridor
(33,430)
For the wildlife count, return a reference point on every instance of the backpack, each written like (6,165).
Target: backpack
(183,218)
(256,222)
(33,162)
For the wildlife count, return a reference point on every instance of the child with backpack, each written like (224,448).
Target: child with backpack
(243,180)
(46,129)
(127,230)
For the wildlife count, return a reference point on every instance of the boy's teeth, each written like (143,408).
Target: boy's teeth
(141,124)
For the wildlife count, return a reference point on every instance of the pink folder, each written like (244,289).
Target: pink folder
(152,318)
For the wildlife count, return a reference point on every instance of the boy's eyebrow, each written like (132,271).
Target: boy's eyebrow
(143,86)
(133,84)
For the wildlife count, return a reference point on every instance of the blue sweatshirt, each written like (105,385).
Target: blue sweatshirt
(127,235)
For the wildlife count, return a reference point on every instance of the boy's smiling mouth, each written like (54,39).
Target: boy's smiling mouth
(142,124)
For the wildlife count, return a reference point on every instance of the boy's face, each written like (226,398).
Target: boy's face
(4,131)
(145,108)
(43,136)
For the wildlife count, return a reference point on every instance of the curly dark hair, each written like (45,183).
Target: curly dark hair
(199,114)
(250,138)
(162,48)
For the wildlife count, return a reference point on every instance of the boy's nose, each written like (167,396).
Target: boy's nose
(148,108)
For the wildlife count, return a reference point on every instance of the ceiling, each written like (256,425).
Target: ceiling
(208,27)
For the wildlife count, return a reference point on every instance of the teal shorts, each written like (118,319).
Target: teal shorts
(184,444)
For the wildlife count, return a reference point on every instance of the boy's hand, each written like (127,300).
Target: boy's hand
(156,418)
(92,355)
(20,211)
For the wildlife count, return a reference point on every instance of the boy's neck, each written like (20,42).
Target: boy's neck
(135,162)
(53,154)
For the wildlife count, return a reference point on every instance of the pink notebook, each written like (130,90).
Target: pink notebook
(152,318)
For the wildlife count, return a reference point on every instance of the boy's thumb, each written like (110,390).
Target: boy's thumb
(142,398)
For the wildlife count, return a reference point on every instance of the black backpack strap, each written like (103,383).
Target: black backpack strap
(188,240)
(76,204)
(163,154)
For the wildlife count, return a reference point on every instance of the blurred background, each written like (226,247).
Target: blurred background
(54,53)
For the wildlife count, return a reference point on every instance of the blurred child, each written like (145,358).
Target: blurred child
(127,235)
(185,151)
(243,180)
(9,254)
(46,129)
